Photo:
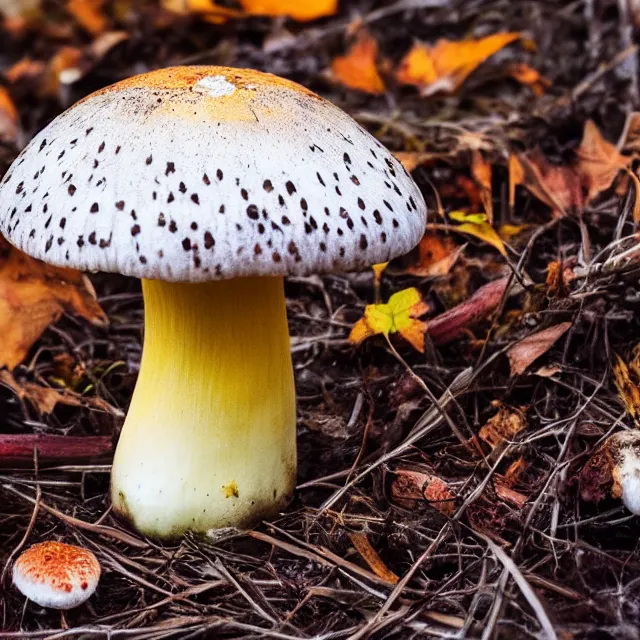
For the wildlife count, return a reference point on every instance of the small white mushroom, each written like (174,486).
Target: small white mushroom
(56,575)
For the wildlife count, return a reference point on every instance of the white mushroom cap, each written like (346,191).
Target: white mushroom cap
(56,575)
(199,173)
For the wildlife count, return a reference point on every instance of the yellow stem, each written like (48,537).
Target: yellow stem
(209,440)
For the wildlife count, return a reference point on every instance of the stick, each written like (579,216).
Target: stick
(17,450)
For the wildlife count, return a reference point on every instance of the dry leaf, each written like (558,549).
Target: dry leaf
(89,15)
(599,162)
(8,117)
(399,315)
(63,68)
(481,172)
(24,69)
(525,352)
(32,296)
(475,224)
(411,160)
(503,426)
(506,493)
(410,487)
(357,69)
(446,65)
(529,77)
(559,276)
(436,255)
(371,557)
(627,380)
(104,43)
(45,399)
(298,10)
(207,9)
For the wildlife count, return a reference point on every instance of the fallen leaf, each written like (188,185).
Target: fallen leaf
(627,381)
(436,255)
(503,426)
(514,472)
(529,77)
(301,11)
(8,118)
(89,15)
(548,371)
(446,65)
(559,276)
(399,315)
(410,487)
(371,557)
(506,493)
(24,69)
(45,399)
(475,224)
(357,69)
(599,162)
(529,349)
(33,295)
(411,160)
(207,9)
(481,172)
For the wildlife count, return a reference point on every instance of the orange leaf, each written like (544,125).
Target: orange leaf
(32,296)
(8,117)
(24,69)
(529,77)
(503,426)
(436,256)
(371,557)
(446,65)
(301,11)
(88,14)
(65,63)
(413,159)
(598,161)
(411,486)
(525,352)
(357,69)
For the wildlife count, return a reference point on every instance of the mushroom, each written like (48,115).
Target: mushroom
(56,575)
(210,184)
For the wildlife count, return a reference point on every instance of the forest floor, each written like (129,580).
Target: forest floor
(439,492)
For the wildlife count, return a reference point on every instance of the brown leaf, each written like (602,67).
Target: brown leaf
(503,426)
(529,349)
(45,399)
(410,486)
(599,162)
(506,493)
(357,69)
(371,557)
(411,160)
(24,69)
(33,295)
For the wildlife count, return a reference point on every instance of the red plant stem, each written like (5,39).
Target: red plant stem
(17,450)
(452,323)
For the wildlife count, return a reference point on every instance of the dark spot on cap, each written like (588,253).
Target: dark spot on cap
(252,212)
(291,188)
(171,168)
(194,198)
(363,242)
(94,208)
(267,186)
(135,230)
(186,244)
(208,240)
(71,189)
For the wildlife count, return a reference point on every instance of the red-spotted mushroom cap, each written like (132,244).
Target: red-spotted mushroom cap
(199,173)
(56,575)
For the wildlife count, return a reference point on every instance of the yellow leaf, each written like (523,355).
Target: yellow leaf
(399,315)
(301,11)
(446,65)
(357,69)
(627,381)
(475,224)
(88,13)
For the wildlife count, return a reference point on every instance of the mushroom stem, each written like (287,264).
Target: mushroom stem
(210,438)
